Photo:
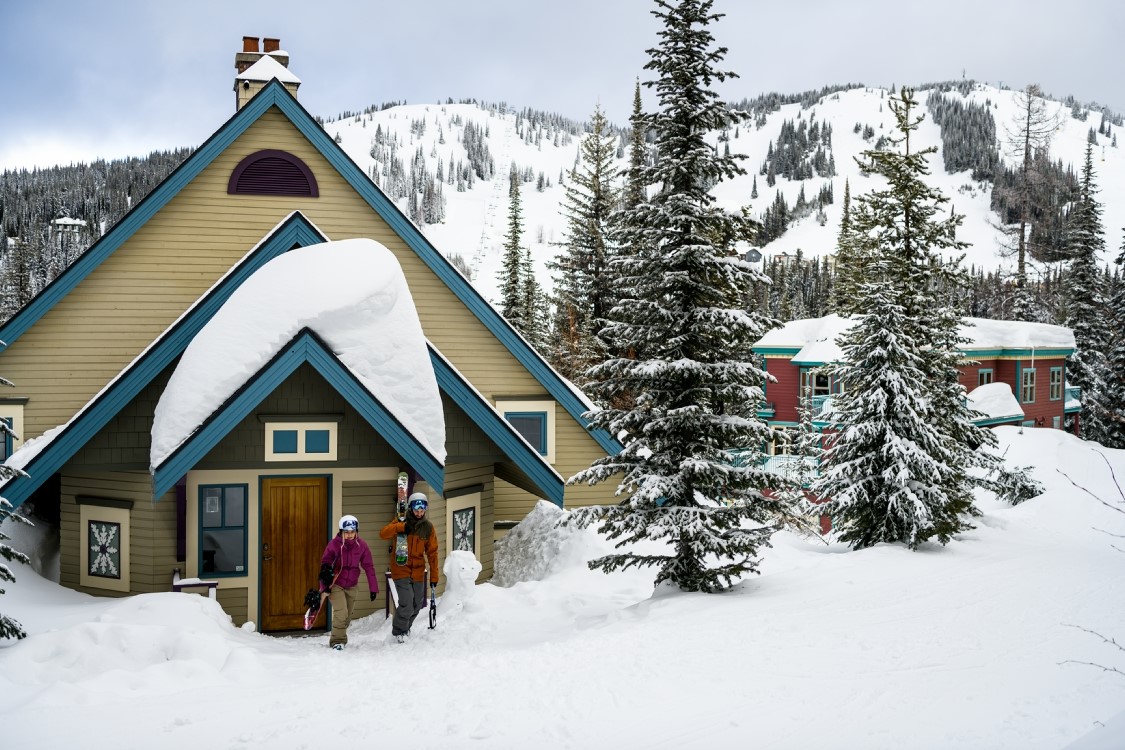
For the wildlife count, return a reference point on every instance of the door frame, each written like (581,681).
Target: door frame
(328,487)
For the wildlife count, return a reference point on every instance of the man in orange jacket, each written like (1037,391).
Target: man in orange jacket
(409,578)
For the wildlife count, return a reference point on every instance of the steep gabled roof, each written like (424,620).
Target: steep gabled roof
(308,347)
(274,95)
(49,453)
(55,448)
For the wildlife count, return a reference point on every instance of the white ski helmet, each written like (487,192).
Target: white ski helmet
(416,501)
(349,523)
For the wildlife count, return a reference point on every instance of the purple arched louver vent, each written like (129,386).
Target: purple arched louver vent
(272,172)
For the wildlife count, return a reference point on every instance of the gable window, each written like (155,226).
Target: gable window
(984,376)
(534,420)
(301,441)
(1056,391)
(1027,386)
(222,529)
(272,172)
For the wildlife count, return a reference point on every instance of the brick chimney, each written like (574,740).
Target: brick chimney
(249,55)
(246,86)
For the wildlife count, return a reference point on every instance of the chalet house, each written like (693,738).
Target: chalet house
(1013,372)
(182,431)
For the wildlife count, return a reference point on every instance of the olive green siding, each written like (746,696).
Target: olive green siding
(97,329)
(152,530)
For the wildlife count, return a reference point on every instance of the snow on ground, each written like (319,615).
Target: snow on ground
(968,646)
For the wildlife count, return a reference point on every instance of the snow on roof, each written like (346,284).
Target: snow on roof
(353,294)
(815,338)
(995,401)
(267,68)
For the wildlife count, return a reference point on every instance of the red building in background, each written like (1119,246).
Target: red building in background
(1014,373)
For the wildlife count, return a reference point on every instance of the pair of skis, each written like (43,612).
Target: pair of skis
(401,553)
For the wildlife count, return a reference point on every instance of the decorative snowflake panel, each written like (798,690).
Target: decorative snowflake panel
(464,529)
(104,539)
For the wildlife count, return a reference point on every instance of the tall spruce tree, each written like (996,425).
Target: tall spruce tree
(1085,301)
(583,294)
(696,387)
(9,627)
(897,468)
(513,289)
(849,270)
(1113,401)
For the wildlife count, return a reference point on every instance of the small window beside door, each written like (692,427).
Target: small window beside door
(222,530)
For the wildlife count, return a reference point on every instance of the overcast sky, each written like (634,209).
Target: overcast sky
(83,80)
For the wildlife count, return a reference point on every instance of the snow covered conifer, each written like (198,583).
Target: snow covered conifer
(582,289)
(1085,301)
(513,290)
(9,627)
(694,383)
(897,468)
(1113,400)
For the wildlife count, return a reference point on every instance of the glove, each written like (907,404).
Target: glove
(312,599)
(374,594)
(325,576)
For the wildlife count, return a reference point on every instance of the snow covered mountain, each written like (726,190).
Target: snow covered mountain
(453,140)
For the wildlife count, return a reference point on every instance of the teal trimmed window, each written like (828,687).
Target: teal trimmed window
(1056,383)
(1027,386)
(532,425)
(301,441)
(317,441)
(984,376)
(222,529)
(285,441)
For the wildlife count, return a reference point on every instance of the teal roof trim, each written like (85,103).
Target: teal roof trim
(453,384)
(306,346)
(136,218)
(436,262)
(275,95)
(1023,353)
(294,231)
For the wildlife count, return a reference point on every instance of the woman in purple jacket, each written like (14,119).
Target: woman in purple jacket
(345,554)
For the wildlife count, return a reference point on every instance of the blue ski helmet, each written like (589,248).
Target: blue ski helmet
(349,523)
(418,500)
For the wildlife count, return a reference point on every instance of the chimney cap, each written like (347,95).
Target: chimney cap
(250,44)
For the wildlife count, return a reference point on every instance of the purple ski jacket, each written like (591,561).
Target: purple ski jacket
(348,558)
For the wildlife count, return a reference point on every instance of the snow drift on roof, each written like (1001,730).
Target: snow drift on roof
(353,294)
(267,68)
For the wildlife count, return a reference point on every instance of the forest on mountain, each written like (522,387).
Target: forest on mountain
(48,217)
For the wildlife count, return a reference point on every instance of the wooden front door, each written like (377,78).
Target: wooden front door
(294,531)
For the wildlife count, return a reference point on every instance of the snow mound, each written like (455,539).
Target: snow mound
(353,294)
(539,546)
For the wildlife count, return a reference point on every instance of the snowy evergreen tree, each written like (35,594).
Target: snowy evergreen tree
(1113,401)
(513,290)
(897,467)
(9,627)
(1085,302)
(695,384)
(849,262)
(583,294)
